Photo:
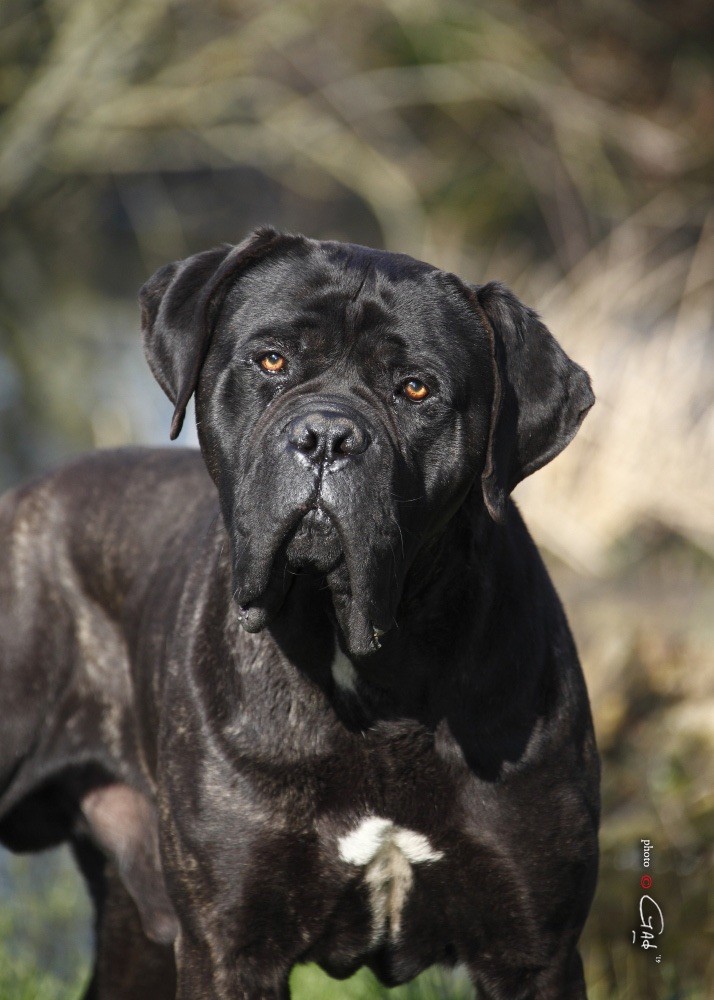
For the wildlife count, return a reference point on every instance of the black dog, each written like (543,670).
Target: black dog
(323,705)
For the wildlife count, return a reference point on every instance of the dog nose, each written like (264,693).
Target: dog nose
(325,435)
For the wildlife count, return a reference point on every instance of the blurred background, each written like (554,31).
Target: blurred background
(567,149)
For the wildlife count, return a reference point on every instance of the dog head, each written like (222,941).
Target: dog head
(347,399)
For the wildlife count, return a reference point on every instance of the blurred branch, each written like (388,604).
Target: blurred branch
(87,110)
(568,149)
(93,44)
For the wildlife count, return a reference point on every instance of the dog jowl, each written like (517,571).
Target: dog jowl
(311,706)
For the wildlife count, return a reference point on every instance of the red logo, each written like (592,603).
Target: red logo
(646,882)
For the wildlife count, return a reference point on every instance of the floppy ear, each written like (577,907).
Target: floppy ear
(540,396)
(179,306)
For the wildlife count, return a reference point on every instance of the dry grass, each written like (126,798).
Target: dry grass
(639,319)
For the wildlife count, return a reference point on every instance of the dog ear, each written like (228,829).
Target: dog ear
(179,307)
(540,396)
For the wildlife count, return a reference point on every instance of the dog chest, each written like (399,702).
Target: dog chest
(386,854)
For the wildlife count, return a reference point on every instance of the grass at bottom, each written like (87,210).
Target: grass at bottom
(308,982)
(21,981)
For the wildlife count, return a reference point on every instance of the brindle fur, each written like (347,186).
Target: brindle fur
(169,620)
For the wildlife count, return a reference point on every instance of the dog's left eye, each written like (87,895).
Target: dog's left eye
(415,390)
(272,362)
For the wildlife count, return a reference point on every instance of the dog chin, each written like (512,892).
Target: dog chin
(314,547)
(315,544)
(363,632)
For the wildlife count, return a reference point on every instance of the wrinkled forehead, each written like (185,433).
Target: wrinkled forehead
(348,291)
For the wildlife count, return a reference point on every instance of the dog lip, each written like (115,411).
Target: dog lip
(251,618)
(315,542)
(377,635)
(320,519)
(316,517)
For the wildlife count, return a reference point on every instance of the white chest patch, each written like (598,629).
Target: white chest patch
(386,852)
(343,673)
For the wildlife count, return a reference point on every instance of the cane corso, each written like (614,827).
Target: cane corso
(309,695)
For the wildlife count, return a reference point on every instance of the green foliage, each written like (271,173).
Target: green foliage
(44,925)
(308,982)
(20,981)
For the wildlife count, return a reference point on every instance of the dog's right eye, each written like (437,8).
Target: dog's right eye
(272,362)
(415,390)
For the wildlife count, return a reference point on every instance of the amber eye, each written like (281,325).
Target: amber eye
(415,390)
(272,362)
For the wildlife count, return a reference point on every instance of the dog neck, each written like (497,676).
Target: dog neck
(447,664)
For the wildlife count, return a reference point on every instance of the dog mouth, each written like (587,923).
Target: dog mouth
(317,541)
(340,524)
(315,544)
